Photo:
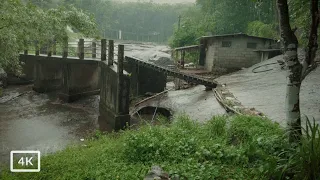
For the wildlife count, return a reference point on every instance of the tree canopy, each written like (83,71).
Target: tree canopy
(23,23)
(254,17)
(143,21)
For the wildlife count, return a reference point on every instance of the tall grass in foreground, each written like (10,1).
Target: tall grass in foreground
(304,159)
(239,147)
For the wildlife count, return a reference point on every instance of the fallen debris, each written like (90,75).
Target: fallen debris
(151,97)
(231,104)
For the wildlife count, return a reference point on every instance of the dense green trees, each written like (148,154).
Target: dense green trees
(143,21)
(224,17)
(23,23)
(254,17)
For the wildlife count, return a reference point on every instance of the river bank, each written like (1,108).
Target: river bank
(33,121)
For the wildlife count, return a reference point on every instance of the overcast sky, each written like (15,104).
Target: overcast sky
(161,1)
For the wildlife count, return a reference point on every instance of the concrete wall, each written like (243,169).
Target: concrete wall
(71,77)
(114,98)
(80,80)
(145,79)
(47,74)
(228,59)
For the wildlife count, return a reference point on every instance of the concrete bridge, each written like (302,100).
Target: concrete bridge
(75,77)
(149,77)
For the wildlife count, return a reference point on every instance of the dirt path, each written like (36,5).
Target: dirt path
(266,91)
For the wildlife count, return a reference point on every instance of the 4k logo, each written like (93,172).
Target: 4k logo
(25,161)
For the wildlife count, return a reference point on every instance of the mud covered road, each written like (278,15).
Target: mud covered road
(266,91)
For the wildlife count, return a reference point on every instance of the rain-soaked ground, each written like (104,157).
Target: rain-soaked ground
(266,91)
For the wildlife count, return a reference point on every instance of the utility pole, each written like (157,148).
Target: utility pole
(179,22)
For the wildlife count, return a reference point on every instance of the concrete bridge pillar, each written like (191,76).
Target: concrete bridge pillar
(114,95)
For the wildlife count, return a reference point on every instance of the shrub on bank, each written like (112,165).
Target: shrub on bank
(239,147)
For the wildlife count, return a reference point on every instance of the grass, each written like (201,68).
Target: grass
(238,147)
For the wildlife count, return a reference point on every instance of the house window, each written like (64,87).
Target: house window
(252,45)
(226,43)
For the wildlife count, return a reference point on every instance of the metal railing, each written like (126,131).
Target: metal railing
(81,49)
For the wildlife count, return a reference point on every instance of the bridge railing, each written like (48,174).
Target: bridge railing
(92,49)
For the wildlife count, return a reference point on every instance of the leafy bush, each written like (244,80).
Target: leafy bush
(304,160)
(239,147)
(258,28)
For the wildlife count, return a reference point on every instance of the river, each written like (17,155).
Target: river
(33,121)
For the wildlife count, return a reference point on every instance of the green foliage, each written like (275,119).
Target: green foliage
(223,17)
(301,18)
(258,28)
(183,38)
(258,18)
(304,161)
(233,16)
(23,24)
(194,24)
(143,21)
(239,147)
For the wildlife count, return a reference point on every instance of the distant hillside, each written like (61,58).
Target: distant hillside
(160,1)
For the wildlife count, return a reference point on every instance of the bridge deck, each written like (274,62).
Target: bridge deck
(187,77)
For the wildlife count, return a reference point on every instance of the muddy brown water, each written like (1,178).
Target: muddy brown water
(34,121)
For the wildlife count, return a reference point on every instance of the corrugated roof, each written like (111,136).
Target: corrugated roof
(237,34)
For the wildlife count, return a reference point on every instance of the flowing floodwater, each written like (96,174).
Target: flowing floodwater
(33,121)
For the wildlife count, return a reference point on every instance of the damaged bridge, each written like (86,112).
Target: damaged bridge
(137,64)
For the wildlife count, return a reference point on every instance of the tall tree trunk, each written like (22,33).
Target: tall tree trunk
(296,71)
(313,39)
(290,43)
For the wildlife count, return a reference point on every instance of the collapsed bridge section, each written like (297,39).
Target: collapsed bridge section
(156,71)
